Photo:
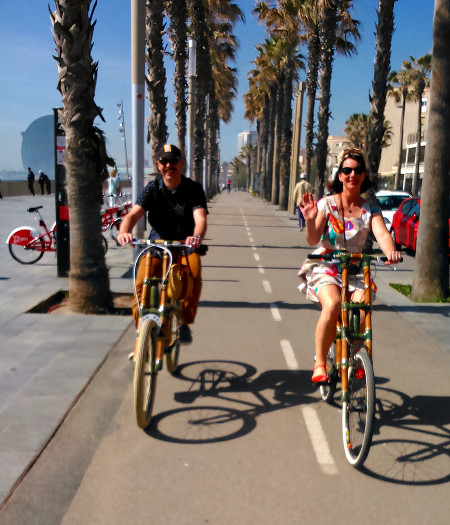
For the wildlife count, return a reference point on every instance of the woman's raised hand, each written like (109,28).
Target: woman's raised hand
(309,207)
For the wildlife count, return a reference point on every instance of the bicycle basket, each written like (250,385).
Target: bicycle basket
(179,282)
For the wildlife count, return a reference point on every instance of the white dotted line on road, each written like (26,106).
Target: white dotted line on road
(310,417)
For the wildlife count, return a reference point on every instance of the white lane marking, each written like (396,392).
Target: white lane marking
(319,441)
(254,248)
(256,256)
(275,312)
(267,287)
(247,228)
(260,269)
(289,355)
(250,238)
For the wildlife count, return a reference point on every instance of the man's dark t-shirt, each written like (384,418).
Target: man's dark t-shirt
(170,212)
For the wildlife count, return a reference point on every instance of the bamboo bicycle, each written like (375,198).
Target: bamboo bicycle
(159,314)
(350,359)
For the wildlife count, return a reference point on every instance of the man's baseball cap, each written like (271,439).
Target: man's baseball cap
(169,152)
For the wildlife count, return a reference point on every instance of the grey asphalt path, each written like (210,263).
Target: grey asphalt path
(45,360)
(239,437)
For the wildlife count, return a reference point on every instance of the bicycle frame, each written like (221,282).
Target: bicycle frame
(155,303)
(348,327)
(42,242)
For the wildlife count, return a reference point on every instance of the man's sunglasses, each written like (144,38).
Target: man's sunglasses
(359,170)
(164,162)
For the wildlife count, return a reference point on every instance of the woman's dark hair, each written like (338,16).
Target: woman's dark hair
(355,154)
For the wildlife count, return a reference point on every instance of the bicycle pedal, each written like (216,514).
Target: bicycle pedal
(158,365)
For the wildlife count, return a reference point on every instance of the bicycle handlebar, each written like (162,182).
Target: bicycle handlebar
(338,255)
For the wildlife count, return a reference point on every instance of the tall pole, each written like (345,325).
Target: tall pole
(137,101)
(191,103)
(121,117)
(298,109)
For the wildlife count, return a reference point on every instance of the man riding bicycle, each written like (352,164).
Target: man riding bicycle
(177,210)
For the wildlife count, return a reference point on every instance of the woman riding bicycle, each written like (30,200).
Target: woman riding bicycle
(339,222)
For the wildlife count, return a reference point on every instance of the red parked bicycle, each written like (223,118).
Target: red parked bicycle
(27,244)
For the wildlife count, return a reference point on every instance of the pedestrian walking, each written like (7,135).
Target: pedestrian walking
(1,196)
(44,181)
(113,189)
(302,187)
(30,179)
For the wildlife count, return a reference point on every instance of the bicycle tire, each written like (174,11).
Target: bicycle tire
(105,244)
(145,374)
(23,256)
(173,348)
(359,411)
(328,390)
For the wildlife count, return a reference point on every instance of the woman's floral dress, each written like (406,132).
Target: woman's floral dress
(315,273)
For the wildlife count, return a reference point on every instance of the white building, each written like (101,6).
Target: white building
(247,137)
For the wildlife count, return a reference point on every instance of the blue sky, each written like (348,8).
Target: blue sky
(29,75)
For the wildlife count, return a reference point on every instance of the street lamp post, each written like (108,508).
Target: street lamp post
(191,100)
(122,132)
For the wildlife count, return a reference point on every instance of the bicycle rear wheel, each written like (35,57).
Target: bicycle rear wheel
(359,411)
(145,374)
(327,390)
(173,349)
(24,255)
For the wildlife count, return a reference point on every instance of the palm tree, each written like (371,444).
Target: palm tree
(156,76)
(309,16)
(399,87)
(421,68)
(375,132)
(85,156)
(282,24)
(356,130)
(177,32)
(336,29)
(430,278)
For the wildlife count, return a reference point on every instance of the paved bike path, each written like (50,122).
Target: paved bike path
(46,360)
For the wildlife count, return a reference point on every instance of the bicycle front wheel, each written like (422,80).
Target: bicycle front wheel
(145,374)
(24,255)
(359,411)
(173,347)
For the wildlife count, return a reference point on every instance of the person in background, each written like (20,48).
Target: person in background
(44,181)
(302,187)
(1,196)
(113,189)
(30,180)
(177,210)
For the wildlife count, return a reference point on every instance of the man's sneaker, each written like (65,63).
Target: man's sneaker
(184,335)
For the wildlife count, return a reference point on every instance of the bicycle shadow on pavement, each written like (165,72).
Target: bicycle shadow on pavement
(226,398)
(411,440)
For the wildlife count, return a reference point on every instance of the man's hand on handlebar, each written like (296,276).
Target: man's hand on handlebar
(193,240)
(124,238)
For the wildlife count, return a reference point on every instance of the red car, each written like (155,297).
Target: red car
(405,224)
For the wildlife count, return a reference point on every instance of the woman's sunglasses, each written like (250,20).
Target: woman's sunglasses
(359,170)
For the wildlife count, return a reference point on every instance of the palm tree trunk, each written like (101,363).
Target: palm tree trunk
(286,137)
(177,12)
(311,86)
(328,35)
(277,141)
(85,156)
(400,149)
(430,278)
(415,180)
(375,132)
